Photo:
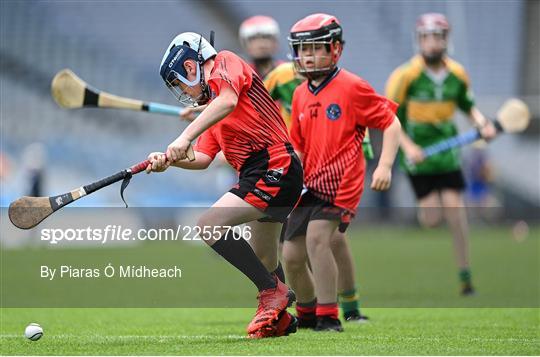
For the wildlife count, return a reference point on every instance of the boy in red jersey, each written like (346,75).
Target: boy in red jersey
(242,121)
(330,112)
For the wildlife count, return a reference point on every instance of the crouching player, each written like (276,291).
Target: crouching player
(330,113)
(242,121)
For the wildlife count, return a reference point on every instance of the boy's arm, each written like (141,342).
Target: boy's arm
(382,176)
(295,133)
(413,152)
(485,126)
(465,102)
(159,162)
(218,109)
(190,113)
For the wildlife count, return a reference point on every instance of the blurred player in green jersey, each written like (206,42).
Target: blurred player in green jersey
(429,88)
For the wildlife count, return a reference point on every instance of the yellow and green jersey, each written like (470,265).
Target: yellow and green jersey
(427,103)
(281,83)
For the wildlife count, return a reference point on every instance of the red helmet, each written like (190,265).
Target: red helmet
(316,29)
(432,22)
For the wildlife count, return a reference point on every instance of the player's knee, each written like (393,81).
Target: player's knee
(293,259)
(338,240)
(429,218)
(294,265)
(318,243)
(452,199)
(205,228)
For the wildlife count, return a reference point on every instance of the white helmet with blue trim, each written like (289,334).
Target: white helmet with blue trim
(187,45)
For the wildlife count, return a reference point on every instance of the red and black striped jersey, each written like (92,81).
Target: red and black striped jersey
(328,126)
(255,123)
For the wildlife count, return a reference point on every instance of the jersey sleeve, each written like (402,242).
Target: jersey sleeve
(295,133)
(207,144)
(372,109)
(396,90)
(271,84)
(397,86)
(229,69)
(465,100)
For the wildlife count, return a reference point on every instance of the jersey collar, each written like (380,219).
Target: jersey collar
(328,79)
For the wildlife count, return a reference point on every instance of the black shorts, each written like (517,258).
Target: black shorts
(312,208)
(423,185)
(271,180)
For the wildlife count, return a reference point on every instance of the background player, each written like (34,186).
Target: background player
(428,89)
(281,83)
(270,175)
(330,112)
(259,36)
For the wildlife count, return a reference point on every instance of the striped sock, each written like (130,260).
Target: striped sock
(348,301)
(306,310)
(465,276)
(330,310)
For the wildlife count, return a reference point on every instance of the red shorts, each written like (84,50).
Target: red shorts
(271,180)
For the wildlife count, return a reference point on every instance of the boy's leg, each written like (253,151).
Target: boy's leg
(429,210)
(265,244)
(296,261)
(264,240)
(231,210)
(300,279)
(456,218)
(296,267)
(348,297)
(343,255)
(426,190)
(274,296)
(325,274)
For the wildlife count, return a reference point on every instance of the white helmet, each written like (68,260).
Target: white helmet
(192,39)
(187,45)
(257,26)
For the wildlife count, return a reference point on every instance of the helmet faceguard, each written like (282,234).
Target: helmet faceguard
(174,74)
(311,32)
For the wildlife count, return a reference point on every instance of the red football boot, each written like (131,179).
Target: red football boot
(271,303)
(285,325)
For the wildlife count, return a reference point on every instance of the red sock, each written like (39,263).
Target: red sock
(330,310)
(306,310)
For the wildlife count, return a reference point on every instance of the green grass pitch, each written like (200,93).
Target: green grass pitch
(222,332)
(408,286)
